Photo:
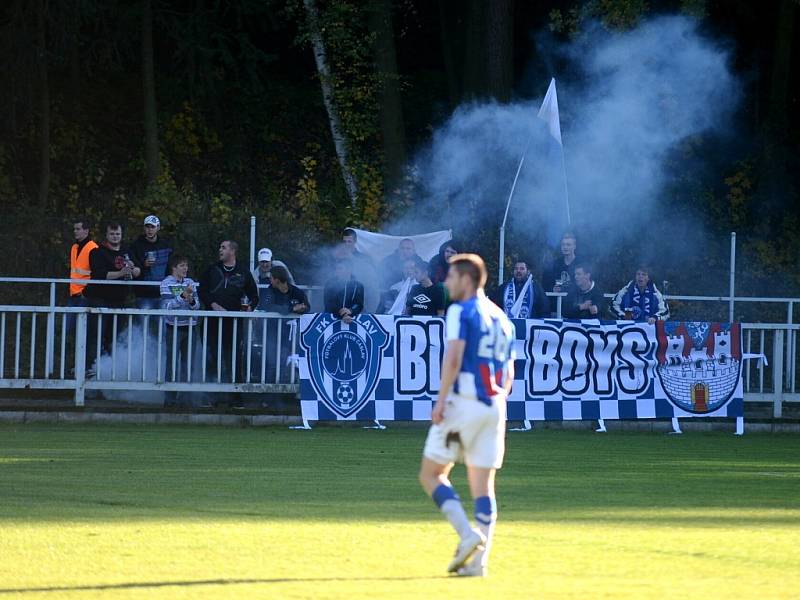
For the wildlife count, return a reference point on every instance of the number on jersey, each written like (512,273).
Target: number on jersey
(494,343)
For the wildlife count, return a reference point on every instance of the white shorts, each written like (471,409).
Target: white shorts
(471,432)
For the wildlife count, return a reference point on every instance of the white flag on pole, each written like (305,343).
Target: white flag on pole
(379,245)
(549,112)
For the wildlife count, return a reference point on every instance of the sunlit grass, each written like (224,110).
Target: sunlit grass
(172,512)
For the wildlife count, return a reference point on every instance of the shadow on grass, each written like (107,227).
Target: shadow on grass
(143,585)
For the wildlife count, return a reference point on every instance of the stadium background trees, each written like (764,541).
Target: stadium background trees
(206,112)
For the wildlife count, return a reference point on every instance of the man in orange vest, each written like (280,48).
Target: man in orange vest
(79,265)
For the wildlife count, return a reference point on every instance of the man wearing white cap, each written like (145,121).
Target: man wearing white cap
(262,271)
(150,252)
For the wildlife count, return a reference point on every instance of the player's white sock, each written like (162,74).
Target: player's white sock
(485,517)
(450,504)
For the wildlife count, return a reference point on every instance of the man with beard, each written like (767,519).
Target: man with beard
(522,297)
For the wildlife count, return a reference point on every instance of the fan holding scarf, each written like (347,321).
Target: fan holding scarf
(523,296)
(640,300)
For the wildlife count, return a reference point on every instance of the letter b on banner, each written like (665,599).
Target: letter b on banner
(419,348)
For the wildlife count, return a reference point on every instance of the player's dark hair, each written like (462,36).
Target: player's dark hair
(569,235)
(280,273)
(85,223)
(350,233)
(584,266)
(114,225)
(472,265)
(644,267)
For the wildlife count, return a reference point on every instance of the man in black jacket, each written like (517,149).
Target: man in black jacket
(282,296)
(109,261)
(227,286)
(344,296)
(585,300)
(151,253)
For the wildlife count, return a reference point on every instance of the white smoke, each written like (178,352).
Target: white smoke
(628,101)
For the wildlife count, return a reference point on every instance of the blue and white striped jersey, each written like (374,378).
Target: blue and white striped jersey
(489,338)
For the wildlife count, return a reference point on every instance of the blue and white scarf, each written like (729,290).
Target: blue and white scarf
(641,304)
(519,307)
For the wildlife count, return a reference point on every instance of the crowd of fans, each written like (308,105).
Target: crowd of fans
(401,284)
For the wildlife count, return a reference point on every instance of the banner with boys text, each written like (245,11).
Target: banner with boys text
(388,368)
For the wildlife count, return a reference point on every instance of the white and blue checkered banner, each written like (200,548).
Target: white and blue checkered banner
(388,368)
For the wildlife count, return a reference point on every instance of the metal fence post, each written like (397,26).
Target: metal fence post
(777,374)
(51,328)
(789,355)
(80,357)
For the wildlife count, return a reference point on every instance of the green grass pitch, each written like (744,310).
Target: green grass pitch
(202,512)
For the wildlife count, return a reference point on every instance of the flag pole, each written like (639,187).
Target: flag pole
(566,188)
(500,267)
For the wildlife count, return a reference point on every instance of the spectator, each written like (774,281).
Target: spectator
(640,300)
(561,274)
(344,295)
(522,297)
(178,292)
(227,285)
(363,267)
(265,264)
(440,264)
(282,296)
(151,253)
(393,267)
(426,298)
(109,261)
(393,300)
(349,241)
(79,267)
(585,300)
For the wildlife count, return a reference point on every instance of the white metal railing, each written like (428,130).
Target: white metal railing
(132,349)
(136,350)
(52,360)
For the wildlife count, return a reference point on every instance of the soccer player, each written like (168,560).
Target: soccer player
(470,412)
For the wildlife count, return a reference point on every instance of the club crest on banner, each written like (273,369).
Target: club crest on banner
(344,360)
(699,363)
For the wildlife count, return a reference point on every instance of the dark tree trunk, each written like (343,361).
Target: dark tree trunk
(500,49)
(151,155)
(782,73)
(776,159)
(392,125)
(449,37)
(44,103)
(75,64)
(474,63)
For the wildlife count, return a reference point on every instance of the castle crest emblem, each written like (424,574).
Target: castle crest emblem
(699,364)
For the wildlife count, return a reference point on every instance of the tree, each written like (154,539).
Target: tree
(324,73)
(151,153)
(500,49)
(391,111)
(44,102)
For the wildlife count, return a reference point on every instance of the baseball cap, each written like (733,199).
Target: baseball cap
(264,254)
(152,220)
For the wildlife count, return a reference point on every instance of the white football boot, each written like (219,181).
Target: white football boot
(466,549)
(473,569)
